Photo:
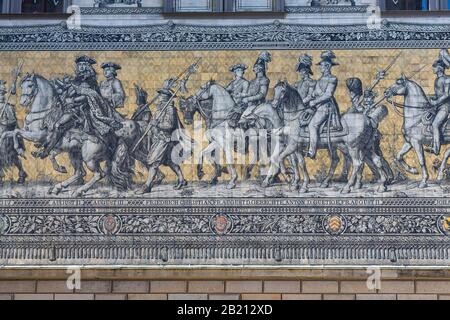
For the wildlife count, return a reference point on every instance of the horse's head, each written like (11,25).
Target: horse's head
(205,90)
(279,93)
(29,88)
(188,108)
(287,97)
(399,88)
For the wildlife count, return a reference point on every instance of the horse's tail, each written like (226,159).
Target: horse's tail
(120,169)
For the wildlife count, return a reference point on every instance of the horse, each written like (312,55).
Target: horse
(214,103)
(41,98)
(356,139)
(415,108)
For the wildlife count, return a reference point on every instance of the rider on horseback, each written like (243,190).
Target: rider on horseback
(111,89)
(238,89)
(323,101)
(306,84)
(440,102)
(82,103)
(258,87)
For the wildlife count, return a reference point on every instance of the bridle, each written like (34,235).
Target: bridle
(397,105)
(34,91)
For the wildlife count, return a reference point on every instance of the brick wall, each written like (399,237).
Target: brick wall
(232,284)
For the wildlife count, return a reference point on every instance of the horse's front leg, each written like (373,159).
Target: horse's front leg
(443,165)
(357,162)
(304,171)
(94,166)
(293,160)
(401,161)
(422,162)
(276,161)
(13,135)
(334,163)
(56,166)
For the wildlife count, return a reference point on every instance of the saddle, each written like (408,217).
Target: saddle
(334,133)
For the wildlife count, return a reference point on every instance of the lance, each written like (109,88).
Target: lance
(378,78)
(194,65)
(190,70)
(16,76)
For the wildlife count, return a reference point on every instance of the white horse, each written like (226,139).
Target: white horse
(41,98)
(415,130)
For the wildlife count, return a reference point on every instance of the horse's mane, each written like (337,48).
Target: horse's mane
(292,98)
(418,88)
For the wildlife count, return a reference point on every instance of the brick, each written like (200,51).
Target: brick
(224,297)
(5,297)
(355,287)
(56,286)
(94,287)
(187,296)
(17,286)
(148,296)
(417,297)
(433,287)
(110,296)
(339,297)
(33,296)
(74,296)
(320,287)
(243,287)
(131,286)
(392,286)
(368,296)
(168,286)
(261,296)
(282,286)
(301,296)
(206,286)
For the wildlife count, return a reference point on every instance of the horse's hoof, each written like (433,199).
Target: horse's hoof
(22,179)
(143,190)
(440,177)
(231,185)
(213,181)
(325,184)
(294,187)
(180,185)
(414,171)
(358,185)
(423,185)
(382,189)
(55,190)
(303,190)
(265,184)
(78,193)
(342,179)
(200,175)
(345,190)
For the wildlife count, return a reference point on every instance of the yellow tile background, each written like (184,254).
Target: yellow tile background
(150,68)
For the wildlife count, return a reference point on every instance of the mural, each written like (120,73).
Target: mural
(235,123)
(269,144)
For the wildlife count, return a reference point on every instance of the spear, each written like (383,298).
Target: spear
(12,90)
(137,114)
(181,86)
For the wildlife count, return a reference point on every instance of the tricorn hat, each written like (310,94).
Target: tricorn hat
(238,66)
(305,63)
(113,65)
(328,56)
(167,87)
(86,59)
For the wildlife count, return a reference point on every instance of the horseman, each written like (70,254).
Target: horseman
(440,101)
(306,84)
(163,126)
(8,122)
(259,86)
(323,102)
(111,89)
(82,106)
(238,89)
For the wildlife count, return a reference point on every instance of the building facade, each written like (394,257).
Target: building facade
(97,96)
